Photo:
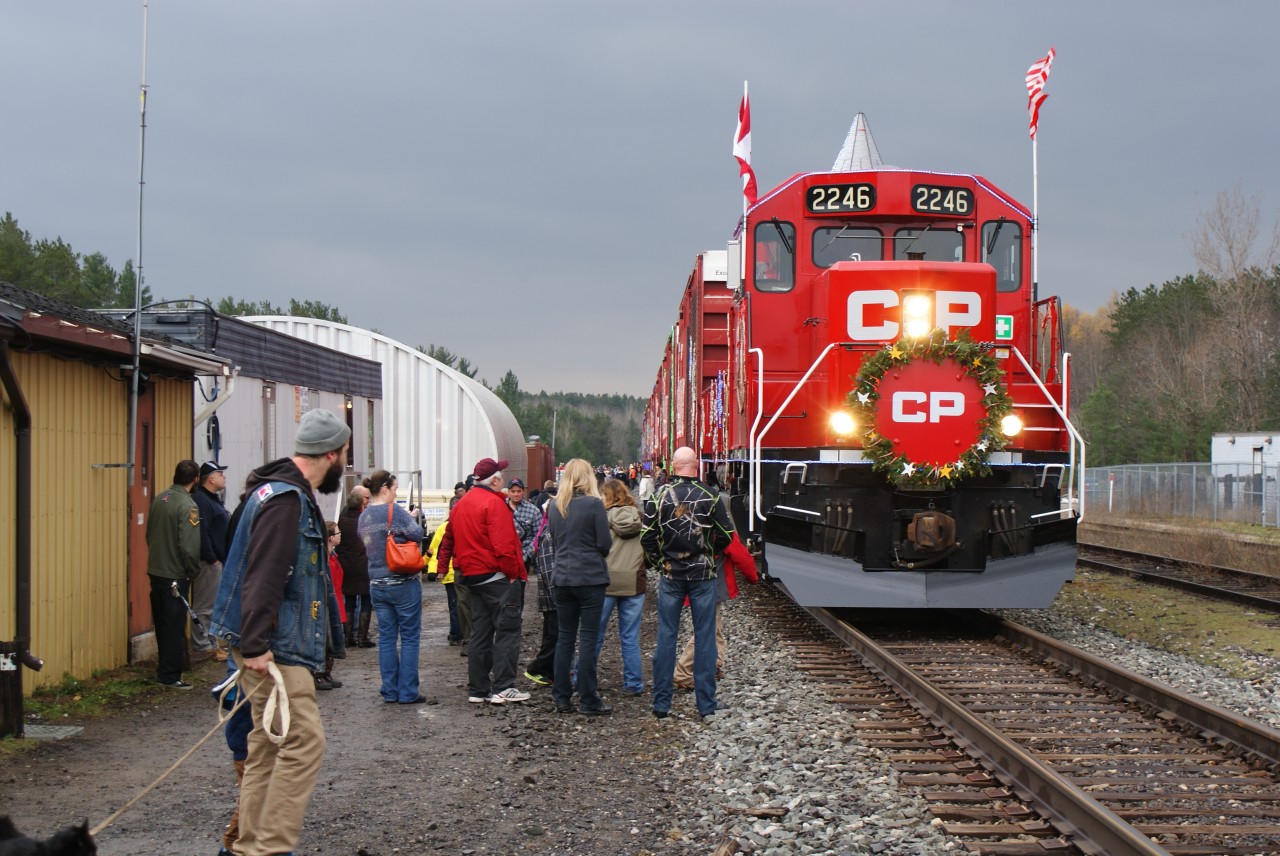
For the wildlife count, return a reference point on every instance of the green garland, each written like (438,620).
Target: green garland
(978,362)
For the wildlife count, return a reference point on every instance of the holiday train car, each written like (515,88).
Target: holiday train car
(870,375)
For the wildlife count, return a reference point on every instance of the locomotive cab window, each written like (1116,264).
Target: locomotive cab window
(931,245)
(775,256)
(1002,249)
(833,244)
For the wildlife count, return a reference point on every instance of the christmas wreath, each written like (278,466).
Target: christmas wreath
(977,362)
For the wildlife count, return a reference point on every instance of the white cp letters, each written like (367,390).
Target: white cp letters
(941,404)
(951,309)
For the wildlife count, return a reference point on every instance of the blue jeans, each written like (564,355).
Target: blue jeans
(629,611)
(578,614)
(702,602)
(399,611)
(455,627)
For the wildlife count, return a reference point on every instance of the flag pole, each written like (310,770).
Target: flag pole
(1035,220)
(742,237)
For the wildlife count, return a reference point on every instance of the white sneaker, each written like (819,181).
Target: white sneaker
(509,694)
(476,699)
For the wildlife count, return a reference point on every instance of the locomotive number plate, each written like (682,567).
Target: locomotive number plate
(936,199)
(840,198)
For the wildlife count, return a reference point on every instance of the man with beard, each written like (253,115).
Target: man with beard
(276,606)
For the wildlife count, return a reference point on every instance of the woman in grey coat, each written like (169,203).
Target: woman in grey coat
(580,533)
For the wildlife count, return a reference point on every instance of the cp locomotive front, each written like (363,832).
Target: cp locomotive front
(869,373)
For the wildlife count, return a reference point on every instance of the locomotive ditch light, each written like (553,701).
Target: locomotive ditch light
(1011,425)
(842,422)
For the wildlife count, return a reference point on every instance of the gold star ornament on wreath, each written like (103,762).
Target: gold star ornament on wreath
(930,409)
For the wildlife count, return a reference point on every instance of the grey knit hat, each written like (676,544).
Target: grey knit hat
(319,432)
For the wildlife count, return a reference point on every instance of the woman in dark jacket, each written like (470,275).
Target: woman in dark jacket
(580,534)
(355,570)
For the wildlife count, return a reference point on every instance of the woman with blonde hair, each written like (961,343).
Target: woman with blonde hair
(626,581)
(580,532)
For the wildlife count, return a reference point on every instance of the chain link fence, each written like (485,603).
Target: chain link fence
(1243,493)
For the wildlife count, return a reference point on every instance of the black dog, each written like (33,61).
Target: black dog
(72,841)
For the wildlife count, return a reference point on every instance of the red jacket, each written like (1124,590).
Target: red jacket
(736,555)
(481,538)
(335,571)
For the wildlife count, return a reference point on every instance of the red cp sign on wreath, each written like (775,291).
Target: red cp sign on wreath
(931,412)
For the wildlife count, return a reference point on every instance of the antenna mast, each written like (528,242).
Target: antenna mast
(137,294)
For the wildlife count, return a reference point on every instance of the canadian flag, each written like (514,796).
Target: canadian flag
(1037,76)
(742,149)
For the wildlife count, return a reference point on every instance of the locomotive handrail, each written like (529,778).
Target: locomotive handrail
(1077,472)
(759,442)
(753,487)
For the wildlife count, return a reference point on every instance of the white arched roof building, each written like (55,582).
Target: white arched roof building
(435,419)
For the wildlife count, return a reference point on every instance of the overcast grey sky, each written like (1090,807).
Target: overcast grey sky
(528,183)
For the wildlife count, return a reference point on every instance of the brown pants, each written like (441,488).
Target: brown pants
(684,665)
(278,780)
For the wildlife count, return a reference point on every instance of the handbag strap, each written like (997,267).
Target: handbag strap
(537,539)
(390,508)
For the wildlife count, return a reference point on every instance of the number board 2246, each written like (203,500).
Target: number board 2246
(840,198)
(939,199)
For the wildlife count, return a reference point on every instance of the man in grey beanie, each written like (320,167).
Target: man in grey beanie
(276,605)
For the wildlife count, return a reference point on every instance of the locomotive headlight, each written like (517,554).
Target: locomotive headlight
(917,315)
(842,423)
(1011,425)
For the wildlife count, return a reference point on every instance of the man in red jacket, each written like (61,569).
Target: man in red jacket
(483,544)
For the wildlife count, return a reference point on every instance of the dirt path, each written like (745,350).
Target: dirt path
(452,778)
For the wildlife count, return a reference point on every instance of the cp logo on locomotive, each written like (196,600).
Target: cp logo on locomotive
(871,321)
(931,412)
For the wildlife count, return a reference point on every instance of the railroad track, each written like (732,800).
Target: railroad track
(1026,746)
(1252,589)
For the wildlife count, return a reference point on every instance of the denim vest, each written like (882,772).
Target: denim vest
(301,631)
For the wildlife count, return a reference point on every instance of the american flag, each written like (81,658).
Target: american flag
(742,150)
(1037,76)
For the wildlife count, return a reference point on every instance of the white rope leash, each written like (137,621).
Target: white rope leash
(278,698)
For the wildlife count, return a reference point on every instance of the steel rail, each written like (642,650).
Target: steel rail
(1246,578)
(1252,738)
(1094,828)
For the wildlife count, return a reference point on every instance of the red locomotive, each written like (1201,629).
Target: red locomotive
(870,375)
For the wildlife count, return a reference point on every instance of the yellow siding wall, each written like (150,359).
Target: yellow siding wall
(173,417)
(79,513)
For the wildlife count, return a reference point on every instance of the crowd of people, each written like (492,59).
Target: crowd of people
(280,593)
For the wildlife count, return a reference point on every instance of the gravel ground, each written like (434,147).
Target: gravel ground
(455,778)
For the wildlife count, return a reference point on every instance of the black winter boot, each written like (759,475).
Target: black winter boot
(363,640)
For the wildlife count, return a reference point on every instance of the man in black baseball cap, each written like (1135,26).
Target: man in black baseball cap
(214,518)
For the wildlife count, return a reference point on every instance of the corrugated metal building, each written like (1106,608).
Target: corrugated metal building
(76,585)
(436,420)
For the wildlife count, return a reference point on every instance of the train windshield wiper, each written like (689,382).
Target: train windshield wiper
(908,247)
(995,233)
(783,235)
(837,235)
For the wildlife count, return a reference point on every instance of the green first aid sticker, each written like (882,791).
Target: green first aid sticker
(1004,327)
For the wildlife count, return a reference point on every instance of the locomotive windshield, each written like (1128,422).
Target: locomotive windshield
(1002,249)
(929,244)
(775,256)
(843,243)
